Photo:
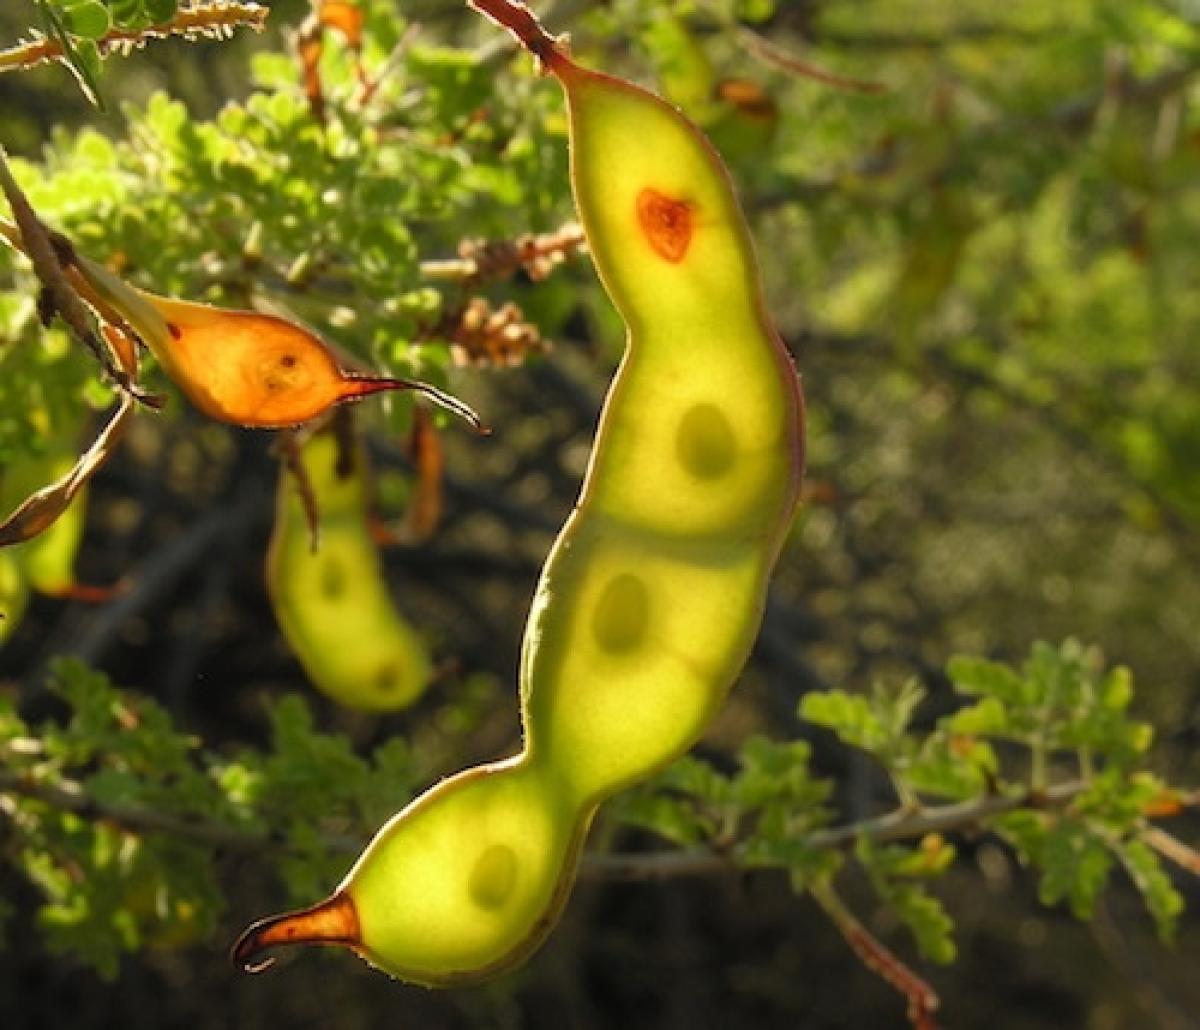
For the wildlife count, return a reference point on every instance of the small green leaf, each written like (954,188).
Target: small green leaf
(987,717)
(125,12)
(673,818)
(1026,830)
(160,11)
(693,776)
(88,19)
(850,716)
(1163,901)
(891,870)
(988,679)
(1116,689)
(927,920)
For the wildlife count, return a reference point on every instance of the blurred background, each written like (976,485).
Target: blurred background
(986,273)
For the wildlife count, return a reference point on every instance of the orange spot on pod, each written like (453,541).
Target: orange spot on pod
(667,223)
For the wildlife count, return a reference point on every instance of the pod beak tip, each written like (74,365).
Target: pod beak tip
(333,921)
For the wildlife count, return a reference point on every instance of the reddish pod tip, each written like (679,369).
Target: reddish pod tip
(333,921)
(354,387)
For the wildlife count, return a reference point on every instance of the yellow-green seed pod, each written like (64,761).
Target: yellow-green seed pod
(652,593)
(685,74)
(333,605)
(14,593)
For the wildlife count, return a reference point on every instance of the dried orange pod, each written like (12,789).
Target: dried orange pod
(254,369)
(243,367)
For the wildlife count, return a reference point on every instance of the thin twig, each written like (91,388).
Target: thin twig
(967,33)
(368,89)
(47,267)
(922,999)
(1182,855)
(903,824)
(215,19)
(494,260)
(763,49)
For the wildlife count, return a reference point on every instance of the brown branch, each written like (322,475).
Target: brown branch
(37,245)
(922,999)
(966,33)
(903,824)
(1080,438)
(159,571)
(65,289)
(1173,850)
(763,49)
(215,19)
(526,29)
(480,260)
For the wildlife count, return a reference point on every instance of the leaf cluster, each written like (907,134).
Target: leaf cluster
(126,825)
(1046,756)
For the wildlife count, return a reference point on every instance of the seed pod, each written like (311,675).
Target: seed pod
(244,367)
(652,594)
(333,603)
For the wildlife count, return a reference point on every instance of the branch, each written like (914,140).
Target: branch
(54,263)
(1079,437)
(214,19)
(72,797)
(965,33)
(499,259)
(903,824)
(922,1000)
(36,243)
(763,49)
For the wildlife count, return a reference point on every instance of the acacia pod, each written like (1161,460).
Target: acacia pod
(652,594)
(332,602)
(245,367)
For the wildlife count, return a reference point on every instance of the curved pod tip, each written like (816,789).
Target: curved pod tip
(354,387)
(332,921)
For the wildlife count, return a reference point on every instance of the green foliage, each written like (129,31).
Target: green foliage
(1059,701)
(768,807)
(329,223)
(895,873)
(988,273)
(1061,705)
(123,818)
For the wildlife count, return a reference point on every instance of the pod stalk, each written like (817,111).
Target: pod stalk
(523,24)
